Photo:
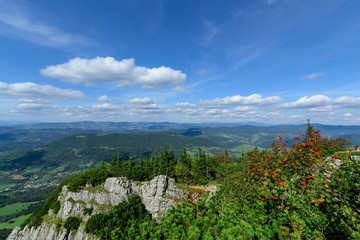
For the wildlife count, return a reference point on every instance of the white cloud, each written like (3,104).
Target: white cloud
(15,21)
(254,99)
(185,105)
(34,100)
(31,106)
(103,98)
(313,75)
(217,111)
(243,108)
(322,102)
(124,73)
(141,101)
(144,105)
(347,101)
(318,108)
(308,102)
(105,106)
(106,99)
(32,90)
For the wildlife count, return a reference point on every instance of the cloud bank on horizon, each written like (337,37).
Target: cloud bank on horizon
(264,61)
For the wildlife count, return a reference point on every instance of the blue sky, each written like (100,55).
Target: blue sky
(268,61)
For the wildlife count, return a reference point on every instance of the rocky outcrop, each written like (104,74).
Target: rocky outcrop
(157,196)
(357,158)
(45,232)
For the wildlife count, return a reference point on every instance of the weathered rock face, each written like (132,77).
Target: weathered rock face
(45,232)
(157,196)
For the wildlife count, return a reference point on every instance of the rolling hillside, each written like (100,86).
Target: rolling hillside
(73,154)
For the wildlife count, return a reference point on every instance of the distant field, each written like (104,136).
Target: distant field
(5,186)
(14,222)
(13,208)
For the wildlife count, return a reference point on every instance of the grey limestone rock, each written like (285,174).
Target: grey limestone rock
(157,196)
(357,158)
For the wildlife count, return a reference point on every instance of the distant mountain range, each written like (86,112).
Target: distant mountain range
(24,136)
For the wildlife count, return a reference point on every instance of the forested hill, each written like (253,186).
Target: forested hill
(75,153)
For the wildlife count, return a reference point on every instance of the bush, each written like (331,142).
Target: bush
(125,219)
(72,223)
(55,206)
(94,177)
(344,212)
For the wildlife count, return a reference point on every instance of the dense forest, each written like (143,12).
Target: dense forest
(292,191)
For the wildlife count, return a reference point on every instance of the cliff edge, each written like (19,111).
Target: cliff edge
(157,196)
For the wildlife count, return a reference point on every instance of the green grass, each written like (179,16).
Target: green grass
(4,186)
(32,170)
(17,222)
(5,173)
(58,169)
(13,208)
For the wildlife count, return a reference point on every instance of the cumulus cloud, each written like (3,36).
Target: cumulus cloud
(106,99)
(141,101)
(318,108)
(308,102)
(318,102)
(243,108)
(31,106)
(124,73)
(184,105)
(103,98)
(32,90)
(347,101)
(145,105)
(217,111)
(254,99)
(313,75)
(105,106)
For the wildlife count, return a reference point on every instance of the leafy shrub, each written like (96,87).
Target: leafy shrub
(344,212)
(55,206)
(72,223)
(125,219)
(285,193)
(332,145)
(93,176)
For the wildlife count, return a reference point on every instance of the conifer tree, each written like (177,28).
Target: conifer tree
(199,168)
(185,158)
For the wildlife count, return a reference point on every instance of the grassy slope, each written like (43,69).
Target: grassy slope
(11,224)
(13,208)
